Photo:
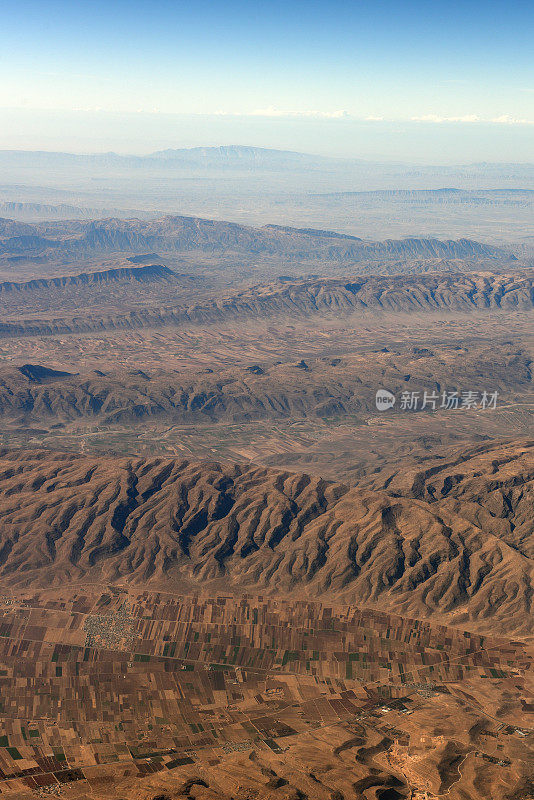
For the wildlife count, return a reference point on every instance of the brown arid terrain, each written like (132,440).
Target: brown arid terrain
(435,293)
(316,387)
(224,571)
(76,238)
(452,541)
(142,695)
(295,393)
(147,650)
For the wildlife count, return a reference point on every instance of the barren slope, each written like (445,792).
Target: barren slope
(146,273)
(319,388)
(171,523)
(178,233)
(492,485)
(433,293)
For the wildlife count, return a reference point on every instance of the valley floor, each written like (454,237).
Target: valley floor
(123,694)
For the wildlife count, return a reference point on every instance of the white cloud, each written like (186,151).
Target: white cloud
(340,114)
(438,118)
(277,112)
(506,119)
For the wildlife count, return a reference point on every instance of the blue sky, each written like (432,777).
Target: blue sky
(457,65)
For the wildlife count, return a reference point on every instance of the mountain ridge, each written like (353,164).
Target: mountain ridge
(156,522)
(427,293)
(173,233)
(144,274)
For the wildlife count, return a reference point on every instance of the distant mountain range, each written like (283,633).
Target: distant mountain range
(445,195)
(238,156)
(235,156)
(242,157)
(171,234)
(386,198)
(30,212)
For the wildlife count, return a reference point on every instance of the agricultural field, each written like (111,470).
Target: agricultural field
(107,690)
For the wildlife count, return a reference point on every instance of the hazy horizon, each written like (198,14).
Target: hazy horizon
(391,81)
(387,141)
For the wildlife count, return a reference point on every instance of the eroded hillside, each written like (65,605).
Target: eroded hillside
(172,523)
(433,293)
